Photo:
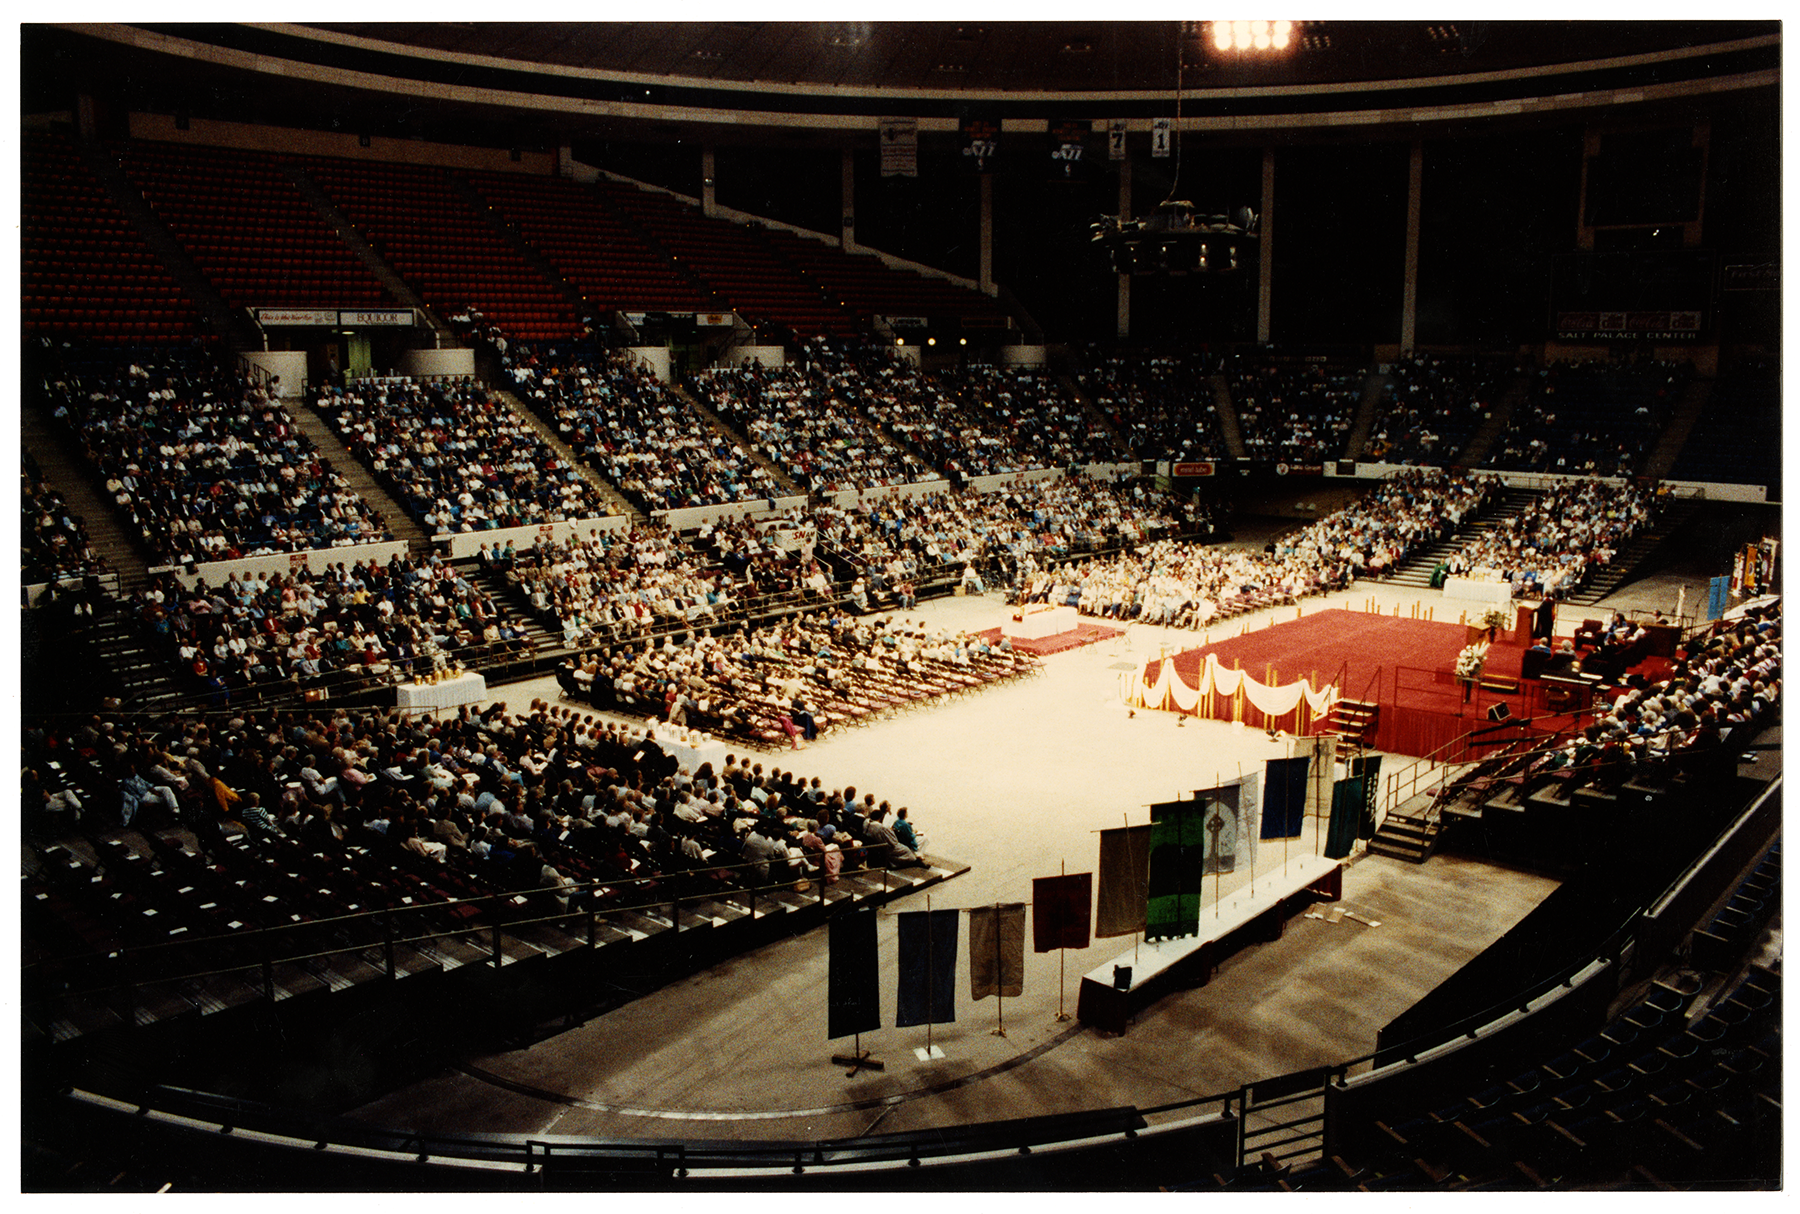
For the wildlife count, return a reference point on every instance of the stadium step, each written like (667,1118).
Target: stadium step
(1405,837)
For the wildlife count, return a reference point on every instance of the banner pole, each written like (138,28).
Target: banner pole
(999,981)
(1062,964)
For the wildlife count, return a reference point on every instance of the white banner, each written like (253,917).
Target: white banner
(384,316)
(713,320)
(1161,139)
(297,316)
(899,147)
(1115,139)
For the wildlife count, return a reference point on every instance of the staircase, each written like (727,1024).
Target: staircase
(1694,402)
(71,475)
(332,450)
(1410,837)
(583,469)
(1634,553)
(1494,425)
(1354,720)
(1417,571)
(1376,385)
(1228,416)
(742,440)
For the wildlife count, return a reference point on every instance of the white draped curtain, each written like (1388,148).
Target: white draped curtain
(1168,690)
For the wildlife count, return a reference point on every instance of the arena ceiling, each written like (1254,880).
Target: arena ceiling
(536,84)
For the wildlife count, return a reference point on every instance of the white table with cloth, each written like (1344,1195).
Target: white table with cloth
(1498,593)
(691,757)
(1041,621)
(466,688)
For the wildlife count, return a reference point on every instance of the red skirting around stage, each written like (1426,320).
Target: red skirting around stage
(1404,665)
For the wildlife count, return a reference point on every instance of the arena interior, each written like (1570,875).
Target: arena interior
(583,582)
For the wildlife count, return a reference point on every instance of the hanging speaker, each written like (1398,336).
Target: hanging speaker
(1499,712)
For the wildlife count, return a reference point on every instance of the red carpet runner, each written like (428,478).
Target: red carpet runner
(1086,634)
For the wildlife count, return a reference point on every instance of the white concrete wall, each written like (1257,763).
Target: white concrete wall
(685,517)
(654,357)
(851,497)
(437,362)
(468,543)
(315,559)
(289,364)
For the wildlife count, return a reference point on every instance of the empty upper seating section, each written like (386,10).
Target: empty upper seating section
(1731,441)
(741,272)
(86,271)
(589,244)
(419,220)
(247,227)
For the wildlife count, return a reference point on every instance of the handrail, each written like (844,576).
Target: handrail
(529,1153)
(117,959)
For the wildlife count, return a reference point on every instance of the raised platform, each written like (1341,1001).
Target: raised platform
(1157,966)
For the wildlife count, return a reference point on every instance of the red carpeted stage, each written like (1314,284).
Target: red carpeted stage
(1404,665)
(1075,638)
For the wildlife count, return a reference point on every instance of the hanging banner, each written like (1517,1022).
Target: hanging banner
(899,147)
(1124,880)
(1346,808)
(1249,789)
(1284,797)
(1068,150)
(1060,911)
(1115,139)
(1367,768)
(997,950)
(980,143)
(1220,820)
(852,989)
(1324,771)
(1161,138)
(927,992)
(1177,851)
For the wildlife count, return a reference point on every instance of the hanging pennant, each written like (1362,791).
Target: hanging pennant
(899,147)
(1249,786)
(1221,821)
(1060,911)
(1346,808)
(1124,879)
(980,143)
(1068,150)
(1368,769)
(997,950)
(852,989)
(1115,139)
(927,991)
(1161,138)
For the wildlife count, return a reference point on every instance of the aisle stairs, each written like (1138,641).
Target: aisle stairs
(1417,571)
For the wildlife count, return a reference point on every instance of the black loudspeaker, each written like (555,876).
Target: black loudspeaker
(1499,712)
(1121,977)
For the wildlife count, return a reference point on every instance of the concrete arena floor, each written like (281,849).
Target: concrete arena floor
(1013,781)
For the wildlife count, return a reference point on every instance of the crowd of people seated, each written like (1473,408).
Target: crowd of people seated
(1433,407)
(1299,413)
(372,618)
(53,542)
(1038,415)
(647,440)
(1551,546)
(206,463)
(456,455)
(805,419)
(1725,685)
(541,801)
(1186,585)
(1160,404)
(791,679)
(954,440)
(1591,418)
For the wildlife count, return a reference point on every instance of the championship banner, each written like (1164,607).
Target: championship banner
(1177,852)
(980,143)
(1115,139)
(1162,138)
(1068,150)
(927,993)
(852,988)
(1220,822)
(899,147)
(997,950)
(1124,878)
(1060,911)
